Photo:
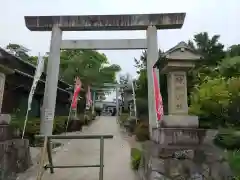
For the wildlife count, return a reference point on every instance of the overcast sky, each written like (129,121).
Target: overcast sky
(214,16)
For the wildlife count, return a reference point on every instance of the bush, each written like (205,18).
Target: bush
(142,107)
(94,115)
(216,102)
(142,131)
(123,118)
(135,158)
(87,119)
(59,125)
(228,139)
(33,127)
(234,161)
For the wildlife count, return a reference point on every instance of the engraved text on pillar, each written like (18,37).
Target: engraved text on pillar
(179,83)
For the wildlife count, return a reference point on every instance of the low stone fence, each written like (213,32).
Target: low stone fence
(14,154)
(182,154)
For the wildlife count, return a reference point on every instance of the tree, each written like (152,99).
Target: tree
(212,52)
(91,66)
(234,50)
(124,78)
(209,47)
(216,101)
(22,52)
(141,82)
(230,67)
(18,50)
(214,83)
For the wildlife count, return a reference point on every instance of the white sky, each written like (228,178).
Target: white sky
(214,16)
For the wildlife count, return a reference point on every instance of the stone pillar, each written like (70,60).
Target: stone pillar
(178,102)
(2,85)
(4,118)
(177,93)
(51,84)
(152,56)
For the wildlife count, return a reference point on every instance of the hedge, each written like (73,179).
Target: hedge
(228,139)
(142,131)
(135,158)
(123,118)
(33,126)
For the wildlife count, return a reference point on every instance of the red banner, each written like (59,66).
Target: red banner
(77,89)
(158,97)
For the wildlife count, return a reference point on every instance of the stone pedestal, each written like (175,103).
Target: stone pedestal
(14,153)
(3,72)
(183,155)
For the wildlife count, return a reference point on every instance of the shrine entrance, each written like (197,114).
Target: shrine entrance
(57,24)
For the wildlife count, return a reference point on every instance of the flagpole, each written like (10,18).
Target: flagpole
(73,95)
(134,100)
(25,124)
(70,112)
(158,105)
(37,76)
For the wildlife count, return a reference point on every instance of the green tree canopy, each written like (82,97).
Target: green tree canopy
(91,66)
(209,47)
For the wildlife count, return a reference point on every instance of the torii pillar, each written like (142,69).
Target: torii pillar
(57,24)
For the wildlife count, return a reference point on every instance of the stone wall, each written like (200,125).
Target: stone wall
(14,154)
(182,154)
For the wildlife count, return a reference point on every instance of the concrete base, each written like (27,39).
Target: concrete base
(186,121)
(5,118)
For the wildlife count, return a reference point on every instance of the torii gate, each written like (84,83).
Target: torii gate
(57,24)
(117,88)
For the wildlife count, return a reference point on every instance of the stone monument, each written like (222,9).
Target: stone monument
(175,63)
(179,150)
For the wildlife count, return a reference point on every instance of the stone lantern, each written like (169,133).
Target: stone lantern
(175,63)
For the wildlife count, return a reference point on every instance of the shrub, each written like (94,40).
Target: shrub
(123,118)
(228,139)
(59,125)
(142,131)
(87,119)
(234,162)
(81,117)
(216,102)
(142,107)
(94,115)
(135,158)
(33,127)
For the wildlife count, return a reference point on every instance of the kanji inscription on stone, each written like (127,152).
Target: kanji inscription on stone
(179,79)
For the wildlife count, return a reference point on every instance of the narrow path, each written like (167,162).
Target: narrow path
(116,156)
